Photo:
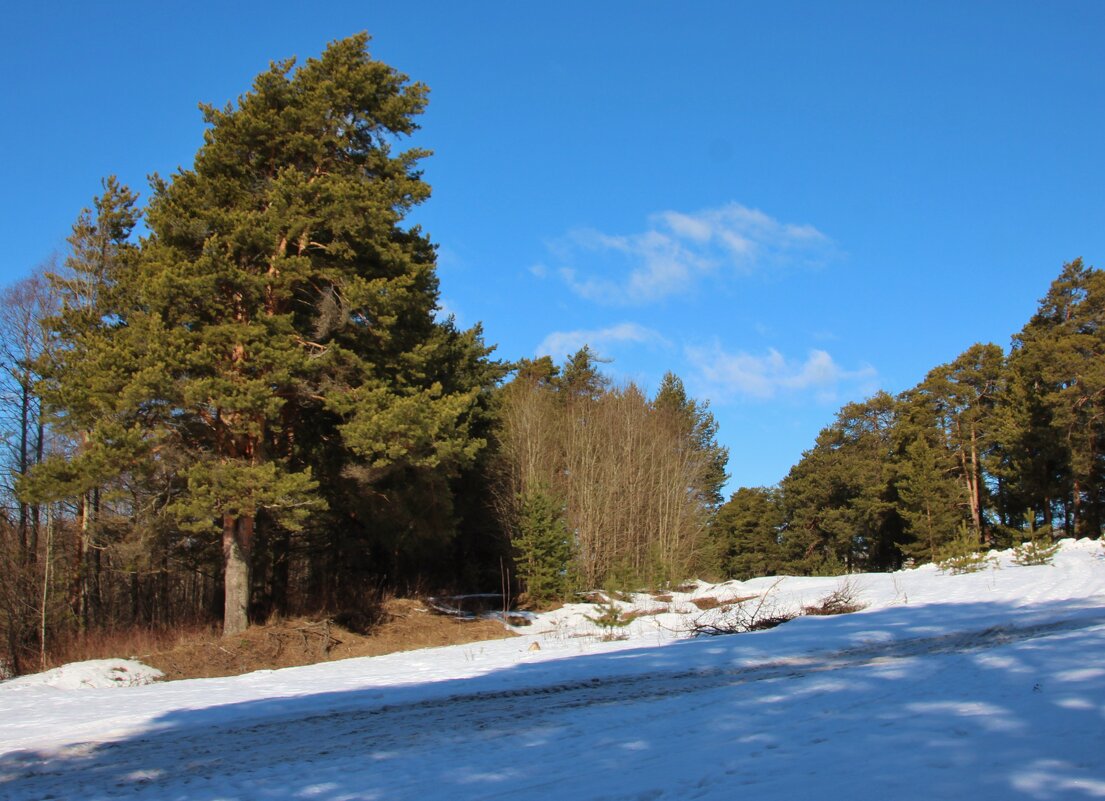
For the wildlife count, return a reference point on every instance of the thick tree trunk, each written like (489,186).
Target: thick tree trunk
(237,548)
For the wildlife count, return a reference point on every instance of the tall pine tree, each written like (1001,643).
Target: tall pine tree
(1056,406)
(280,323)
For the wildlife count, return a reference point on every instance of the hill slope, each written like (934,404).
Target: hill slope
(988,685)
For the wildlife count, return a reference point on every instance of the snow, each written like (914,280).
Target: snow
(95,673)
(988,685)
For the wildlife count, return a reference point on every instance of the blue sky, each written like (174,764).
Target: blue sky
(790,205)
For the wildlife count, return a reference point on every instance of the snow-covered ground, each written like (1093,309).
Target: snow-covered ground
(980,686)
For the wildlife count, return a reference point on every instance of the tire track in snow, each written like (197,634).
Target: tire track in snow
(189,755)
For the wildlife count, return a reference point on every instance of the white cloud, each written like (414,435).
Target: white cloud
(446,309)
(678,248)
(564,343)
(727,375)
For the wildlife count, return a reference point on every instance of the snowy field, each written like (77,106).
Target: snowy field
(980,686)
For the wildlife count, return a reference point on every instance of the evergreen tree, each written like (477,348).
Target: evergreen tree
(543,548)
(698,430)
(840,503)
(280,324)
(541,372)
(580,378)
(85,369)
(962,397)
(747,530)
(930,498)
(82,377)
(1058,363)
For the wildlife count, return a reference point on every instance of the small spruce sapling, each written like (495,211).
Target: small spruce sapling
(1038,549)
(610,620)
(962,554)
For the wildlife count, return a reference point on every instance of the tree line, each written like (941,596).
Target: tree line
(599,483)
(987,450)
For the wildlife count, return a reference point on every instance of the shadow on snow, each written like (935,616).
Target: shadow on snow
(884,704)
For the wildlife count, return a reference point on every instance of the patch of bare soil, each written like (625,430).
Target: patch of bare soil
(404,625)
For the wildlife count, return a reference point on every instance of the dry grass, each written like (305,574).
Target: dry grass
(710,602)
(636,613)
(121,643)
(200,652)
(706,602)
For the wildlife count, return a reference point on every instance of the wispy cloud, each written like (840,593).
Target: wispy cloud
(678,248)
(726,375)
(564,343)
(446,309)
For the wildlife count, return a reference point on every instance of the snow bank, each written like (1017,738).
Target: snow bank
(1078,570)
(94,674)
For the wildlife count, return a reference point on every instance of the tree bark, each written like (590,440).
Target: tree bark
(237,550)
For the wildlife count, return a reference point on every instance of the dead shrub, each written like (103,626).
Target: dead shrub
(741,615)
(361,621)
(842,601)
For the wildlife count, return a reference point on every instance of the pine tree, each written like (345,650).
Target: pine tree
(841,510)
(81,379)
(962,397)
(1055,411)
(580,378)
(930,498)
(747,530)
(280,323)
(85,370)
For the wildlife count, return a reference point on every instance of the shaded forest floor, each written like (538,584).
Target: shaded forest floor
(402,625)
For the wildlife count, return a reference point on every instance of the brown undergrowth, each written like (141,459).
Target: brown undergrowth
(708,602)
(403,625)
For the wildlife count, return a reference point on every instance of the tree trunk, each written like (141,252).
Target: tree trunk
(281,549)
(976,491)
(45,587)
(83,590)
(40,447)
(237,548)
(27,552)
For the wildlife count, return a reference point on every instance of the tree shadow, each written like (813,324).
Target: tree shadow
(884,704)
